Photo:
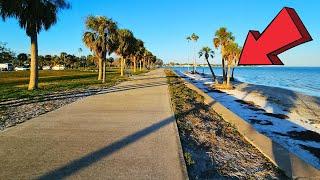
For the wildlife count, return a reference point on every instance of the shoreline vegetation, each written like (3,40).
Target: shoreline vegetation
(212,147)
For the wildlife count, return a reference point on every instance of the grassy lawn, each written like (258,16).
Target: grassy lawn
(13,85)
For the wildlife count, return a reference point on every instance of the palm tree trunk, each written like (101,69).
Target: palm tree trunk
(33,83)
(214,76)
(228,76)
(232,78)
(144,64)
(121,66)
(194,59)
(134,64)
(125,66)
(100,68)
(148,63)
(140,65)
(223,71)
(104,71)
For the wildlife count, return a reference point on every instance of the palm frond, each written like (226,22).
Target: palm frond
(33,16)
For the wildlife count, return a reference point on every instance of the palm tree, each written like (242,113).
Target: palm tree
(125,46)
(238,53)
(221,39)
(194,38)
(100,38)
(147,56)
(232,53)
(33,16)
(140,50)
(207,52)
(137,52)
(79,54)
(188,39)
(153,61)
(63,57)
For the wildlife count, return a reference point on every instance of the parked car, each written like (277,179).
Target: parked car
(22,68)
(6,67)
(46,67)
(58,67)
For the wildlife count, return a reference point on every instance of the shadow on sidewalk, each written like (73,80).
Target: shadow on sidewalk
(93,157)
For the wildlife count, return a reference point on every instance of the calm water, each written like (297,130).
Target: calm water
(301,79)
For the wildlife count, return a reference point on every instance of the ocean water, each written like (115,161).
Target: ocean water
(305,80)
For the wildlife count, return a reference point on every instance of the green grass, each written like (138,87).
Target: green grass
(13,85)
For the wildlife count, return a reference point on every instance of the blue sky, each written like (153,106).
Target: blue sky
(164,24)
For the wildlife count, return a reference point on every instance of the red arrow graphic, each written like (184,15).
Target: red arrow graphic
(284,32)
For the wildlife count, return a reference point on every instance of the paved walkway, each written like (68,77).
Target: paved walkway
(128,132)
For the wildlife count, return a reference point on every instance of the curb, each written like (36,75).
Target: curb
(180,150)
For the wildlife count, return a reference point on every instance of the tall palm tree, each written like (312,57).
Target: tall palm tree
(63,56)
(101,39)
(147,57)
(207,52)
(153,61)
(232,54)
(188,39)
(141,55)
(238,53)
(221,39)
(137,52)
(33,16)
(125,46)
(194,38)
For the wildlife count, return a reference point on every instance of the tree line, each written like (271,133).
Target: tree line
(6,54)
(103,38)
(70,61)
(230,53)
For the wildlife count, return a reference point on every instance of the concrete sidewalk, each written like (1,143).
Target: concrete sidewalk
(126,133)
